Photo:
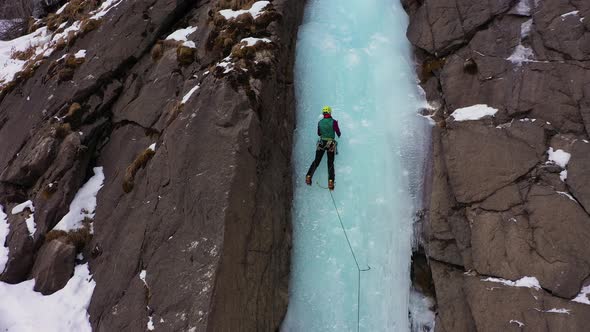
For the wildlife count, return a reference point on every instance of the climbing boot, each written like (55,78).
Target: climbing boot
(308,180)
(331,184)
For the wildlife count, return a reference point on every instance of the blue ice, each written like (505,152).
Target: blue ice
(353,55)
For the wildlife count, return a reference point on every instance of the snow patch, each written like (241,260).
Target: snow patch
(30,221)
(62,8)
(24,310)
(525,28)
(521,54)
(559,157)
(105,8)
(226,64)
(256,10)
(83,204)
(150,323)
(80,54)
(3,234)
(40,43)
(152,147)
(474,112)
(523,8)
(563,175)
(250,41)
(528,282)
(22,206)
(182,35)
(188,95)
(142,276)
(519,323)
(563,193)
(572,13)
(527,120)
(558,311)
(189,44)
(583,296)
(9,66)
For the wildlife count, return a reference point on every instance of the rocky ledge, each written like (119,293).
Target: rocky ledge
(190,114)
(507,229)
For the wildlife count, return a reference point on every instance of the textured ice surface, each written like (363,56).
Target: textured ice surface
(354,56)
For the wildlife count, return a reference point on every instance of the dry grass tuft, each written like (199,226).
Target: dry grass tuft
(72,62)
(157,52)
(76,10)
(65,74)
(162,46)
(71,38)
(185,55)
(33,25)
(226,33)
(74,115)
(48,191)
(139,162)
(73,110)
(429,67)
(79,237)
(89,25)
(25,55)
(25,73)
(241,51)
(267,18)
(60,44)
(53,21)
(62,130)
(56,235)
(7,88)
(173,112)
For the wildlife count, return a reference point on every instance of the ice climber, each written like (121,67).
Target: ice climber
(327,131)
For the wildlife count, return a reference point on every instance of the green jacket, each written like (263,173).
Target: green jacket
(328,128)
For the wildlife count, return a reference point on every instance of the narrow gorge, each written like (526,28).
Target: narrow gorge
(153,157)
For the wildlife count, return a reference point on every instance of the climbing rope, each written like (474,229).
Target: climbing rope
(358,267)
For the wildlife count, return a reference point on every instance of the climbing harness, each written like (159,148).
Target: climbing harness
(330,145)
(358,267)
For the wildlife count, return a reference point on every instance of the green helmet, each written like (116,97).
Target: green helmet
(327,109)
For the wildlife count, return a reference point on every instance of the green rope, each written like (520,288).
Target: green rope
(358,298)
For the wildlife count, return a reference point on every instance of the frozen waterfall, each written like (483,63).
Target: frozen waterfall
(353,55)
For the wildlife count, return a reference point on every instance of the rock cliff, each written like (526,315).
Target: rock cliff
(193,134)
(508,222)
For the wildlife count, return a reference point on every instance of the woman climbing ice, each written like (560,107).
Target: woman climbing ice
(327,130)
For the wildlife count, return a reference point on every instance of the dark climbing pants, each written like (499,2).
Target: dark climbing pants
(324,146)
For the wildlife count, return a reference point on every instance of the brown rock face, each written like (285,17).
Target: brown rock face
(440,26)
(53,267)
(472,303)
(578,175)
(498,207)
(482,159)
(207,214)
